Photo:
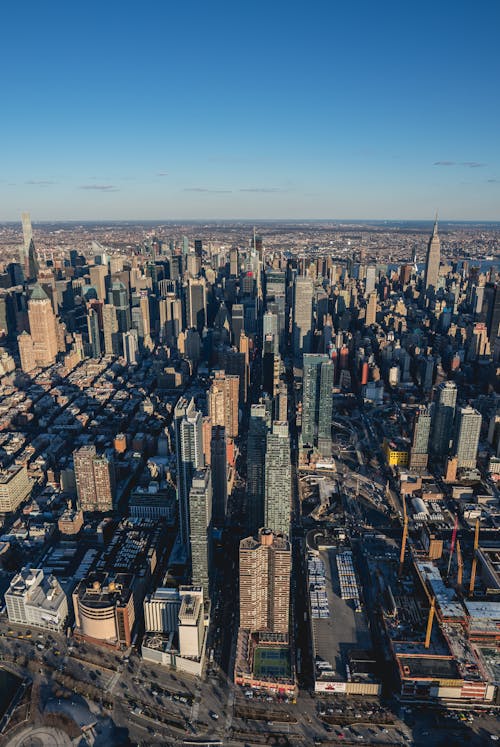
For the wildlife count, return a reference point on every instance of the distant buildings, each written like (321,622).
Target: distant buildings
(34,598)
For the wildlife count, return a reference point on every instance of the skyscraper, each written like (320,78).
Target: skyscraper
(218,462)
(317,398)
(443,417)
(256,454)
(223,400)
(93,333)
(278,479)
(432,259)
(98,275)
(112,340)
(466,441)
(43,329)
(302,317)
(200,528)
(189,453)
(371,309)
(196,306)
(419,454)
(265,565)
(27,239)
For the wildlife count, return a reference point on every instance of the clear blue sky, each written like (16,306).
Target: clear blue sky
(265,109)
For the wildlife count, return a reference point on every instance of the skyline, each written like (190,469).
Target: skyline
(206,114)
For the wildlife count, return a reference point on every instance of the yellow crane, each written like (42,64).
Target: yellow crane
(474,560)
(430,620)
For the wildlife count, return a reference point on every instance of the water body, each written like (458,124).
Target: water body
(9,685)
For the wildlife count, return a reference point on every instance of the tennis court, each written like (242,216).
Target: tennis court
(271,662)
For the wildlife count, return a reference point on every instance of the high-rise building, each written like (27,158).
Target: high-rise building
(35,598)
(371,279)
(43,329)
(130,346)
(237,322)
(223,401)
(98,275)
(256,454)
(196,303)
(94,477)
(432,260)
(281,409)
(317,399)
(278,479)
(119,298)
(265,565)
(189,453)
(27,239)
(371,309)
(93,333)
(443,417)
(302,317)
(112,338)
(466,440)
(419,453)
(200,528)
(218,462)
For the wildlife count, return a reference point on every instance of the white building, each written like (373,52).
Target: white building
(35,598)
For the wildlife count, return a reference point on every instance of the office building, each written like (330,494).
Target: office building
(278,479)
(93,333)
(317,401)
(432,260)
(265,566)
(40,346)
(15,487)
(256,456)
(119,298)
(466,441)
(112,338)
(443,417)
(105,608)
(98,278)
(223,402)
(370,279)
(189,454)
(237,322)
(200,528)
(161,610)
(371,309)
(302,317)
(35,598)
(196,304)
(218,462)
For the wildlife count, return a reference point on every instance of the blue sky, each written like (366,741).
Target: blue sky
(250,110)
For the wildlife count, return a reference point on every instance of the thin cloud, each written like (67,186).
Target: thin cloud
(493,181)
(100,187)
(162,173)
(39,182)
(265,190)
(211,191)
(467,164)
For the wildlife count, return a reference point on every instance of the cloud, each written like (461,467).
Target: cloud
(493,181)
(162,173)
(39,182)
(211,191)
(100,187)
(467,164)
(265,190)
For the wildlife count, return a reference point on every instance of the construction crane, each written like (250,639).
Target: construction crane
(474,560)
(430,620)
(460,566)
(405,537)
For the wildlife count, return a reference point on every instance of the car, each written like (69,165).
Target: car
(494,737)
(214,715)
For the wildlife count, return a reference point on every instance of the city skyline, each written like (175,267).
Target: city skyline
(207,114)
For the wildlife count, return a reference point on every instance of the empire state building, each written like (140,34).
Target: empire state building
(432,260)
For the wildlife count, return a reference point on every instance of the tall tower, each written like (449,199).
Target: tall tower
(27,239)
(218,462)
(420,445)
(278,479)
(302,317)
(196,308)
(317,399)
(467,431)
(189,453)
(256,453)
(200,528)
(433,259)
(444,415)
(265,565)
(223,401)
(43,327)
